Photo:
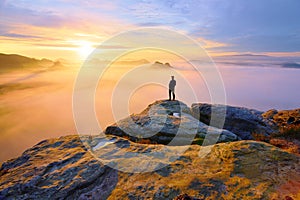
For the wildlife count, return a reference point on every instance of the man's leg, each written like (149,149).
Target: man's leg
(170,91)
(173,95)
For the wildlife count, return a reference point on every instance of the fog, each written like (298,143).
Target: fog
(36,106)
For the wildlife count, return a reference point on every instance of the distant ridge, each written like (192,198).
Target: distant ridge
(249,54)
(132,62)
(291,65)
(9,62)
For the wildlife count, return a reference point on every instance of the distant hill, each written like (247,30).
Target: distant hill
(256,60)
(291,65)
(160,64)
(249,55)
(132,62)
(13,62)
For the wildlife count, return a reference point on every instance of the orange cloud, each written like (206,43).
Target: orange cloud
(210,44)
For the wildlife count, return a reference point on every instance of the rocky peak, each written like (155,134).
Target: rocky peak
(157,63)
(91,167)
(167,122)
(168,107)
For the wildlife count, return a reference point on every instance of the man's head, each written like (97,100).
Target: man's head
(172,77)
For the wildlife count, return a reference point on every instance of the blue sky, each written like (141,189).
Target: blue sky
(254,26)
(245,25)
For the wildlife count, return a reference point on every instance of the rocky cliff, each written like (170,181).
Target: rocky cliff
(123,165)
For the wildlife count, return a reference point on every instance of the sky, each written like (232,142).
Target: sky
(71,29)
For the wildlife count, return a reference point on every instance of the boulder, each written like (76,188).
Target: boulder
(283,118)
(241,121)
(60,168)
(63,168)
(168,122)
(270,113)
(167,107)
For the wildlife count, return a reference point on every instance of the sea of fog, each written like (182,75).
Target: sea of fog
(39,106)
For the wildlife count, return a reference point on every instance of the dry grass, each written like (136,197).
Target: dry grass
(290,146)
(145,141)
(289,132)
(288,138)
(261,137)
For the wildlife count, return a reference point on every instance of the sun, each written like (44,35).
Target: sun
(85,48)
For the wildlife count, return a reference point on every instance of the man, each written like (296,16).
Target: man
(172,85)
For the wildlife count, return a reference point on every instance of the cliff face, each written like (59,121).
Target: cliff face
(111,167)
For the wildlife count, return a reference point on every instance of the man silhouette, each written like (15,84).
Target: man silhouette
(172,85)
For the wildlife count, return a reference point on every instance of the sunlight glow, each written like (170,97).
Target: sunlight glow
(84,49)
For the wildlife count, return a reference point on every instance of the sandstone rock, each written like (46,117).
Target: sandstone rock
(157,125)
(283,118)
(185,197)
(288,123)
(132,167)
(241,121)
(167,107)
(270,113)
(65,169)
(56,169)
